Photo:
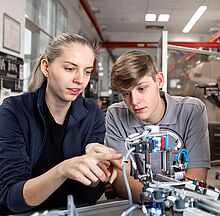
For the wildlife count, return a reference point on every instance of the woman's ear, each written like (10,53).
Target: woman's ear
(160,80)
(44,67)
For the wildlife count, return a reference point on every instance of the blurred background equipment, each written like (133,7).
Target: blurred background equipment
(211,92)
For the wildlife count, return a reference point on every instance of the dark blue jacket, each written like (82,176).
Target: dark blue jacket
(22,138)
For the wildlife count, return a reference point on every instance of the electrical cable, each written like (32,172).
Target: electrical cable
(50,213)
(133,163)
(71,208)
(132,208)
(134,144)
(185,154)
(124,162)
(175,135)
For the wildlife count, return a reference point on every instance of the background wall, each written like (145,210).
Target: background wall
(16,10)
(78,20)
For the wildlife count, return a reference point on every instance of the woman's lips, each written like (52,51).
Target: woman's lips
(74,91)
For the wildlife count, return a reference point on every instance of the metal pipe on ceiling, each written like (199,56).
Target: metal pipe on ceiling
(212,43)
(119,44)
(190,49)
(214,38)
(115,44)
(91,16)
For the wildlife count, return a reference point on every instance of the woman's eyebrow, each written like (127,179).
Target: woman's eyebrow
(70,63)
(89,67)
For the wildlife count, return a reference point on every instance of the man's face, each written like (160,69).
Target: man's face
(143,100)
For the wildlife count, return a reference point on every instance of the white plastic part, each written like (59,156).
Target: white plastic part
(153,128)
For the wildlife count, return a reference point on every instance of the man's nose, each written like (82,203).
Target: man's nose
(134,98)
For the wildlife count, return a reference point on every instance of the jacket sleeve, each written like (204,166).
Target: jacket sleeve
(97,133)
(14,160)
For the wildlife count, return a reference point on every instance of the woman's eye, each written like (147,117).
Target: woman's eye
(88,72)
(69,69)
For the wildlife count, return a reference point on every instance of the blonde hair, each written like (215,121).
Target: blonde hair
(53,51)
(130,67)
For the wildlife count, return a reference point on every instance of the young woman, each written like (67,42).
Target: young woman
(44,134)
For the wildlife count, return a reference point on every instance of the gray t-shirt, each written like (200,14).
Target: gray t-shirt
(185,115)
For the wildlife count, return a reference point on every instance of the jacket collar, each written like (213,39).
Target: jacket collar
(78,109)
(77,112)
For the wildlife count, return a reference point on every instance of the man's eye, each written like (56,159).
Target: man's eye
(141,89)
(125,94)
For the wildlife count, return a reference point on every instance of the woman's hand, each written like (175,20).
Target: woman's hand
(87,169)
(99,148)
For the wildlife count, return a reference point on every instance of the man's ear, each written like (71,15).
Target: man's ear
(160,80)
(44,67)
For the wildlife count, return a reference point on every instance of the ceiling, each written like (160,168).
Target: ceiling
(123,20)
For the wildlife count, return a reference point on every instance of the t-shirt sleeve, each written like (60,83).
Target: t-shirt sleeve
(197,139)
(115,135)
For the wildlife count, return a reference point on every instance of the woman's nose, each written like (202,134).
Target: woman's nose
(78,77)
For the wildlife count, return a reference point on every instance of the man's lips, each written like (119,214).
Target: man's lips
(139,110)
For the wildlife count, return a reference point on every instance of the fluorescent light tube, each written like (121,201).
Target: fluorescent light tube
(194,19)
(163,18)
(150,17)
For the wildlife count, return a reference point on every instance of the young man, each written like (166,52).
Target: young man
(135,76)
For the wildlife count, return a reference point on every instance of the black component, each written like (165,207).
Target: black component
(214,98)
(159,195)
(181,204)
(134,173)
(11,68)
(110,192)
(211,92)
(144,146)
(217,175)
(145,181)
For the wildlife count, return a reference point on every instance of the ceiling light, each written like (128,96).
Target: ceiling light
(198,62)
(95,9)
(194,19)
(163,18)
(150,17)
